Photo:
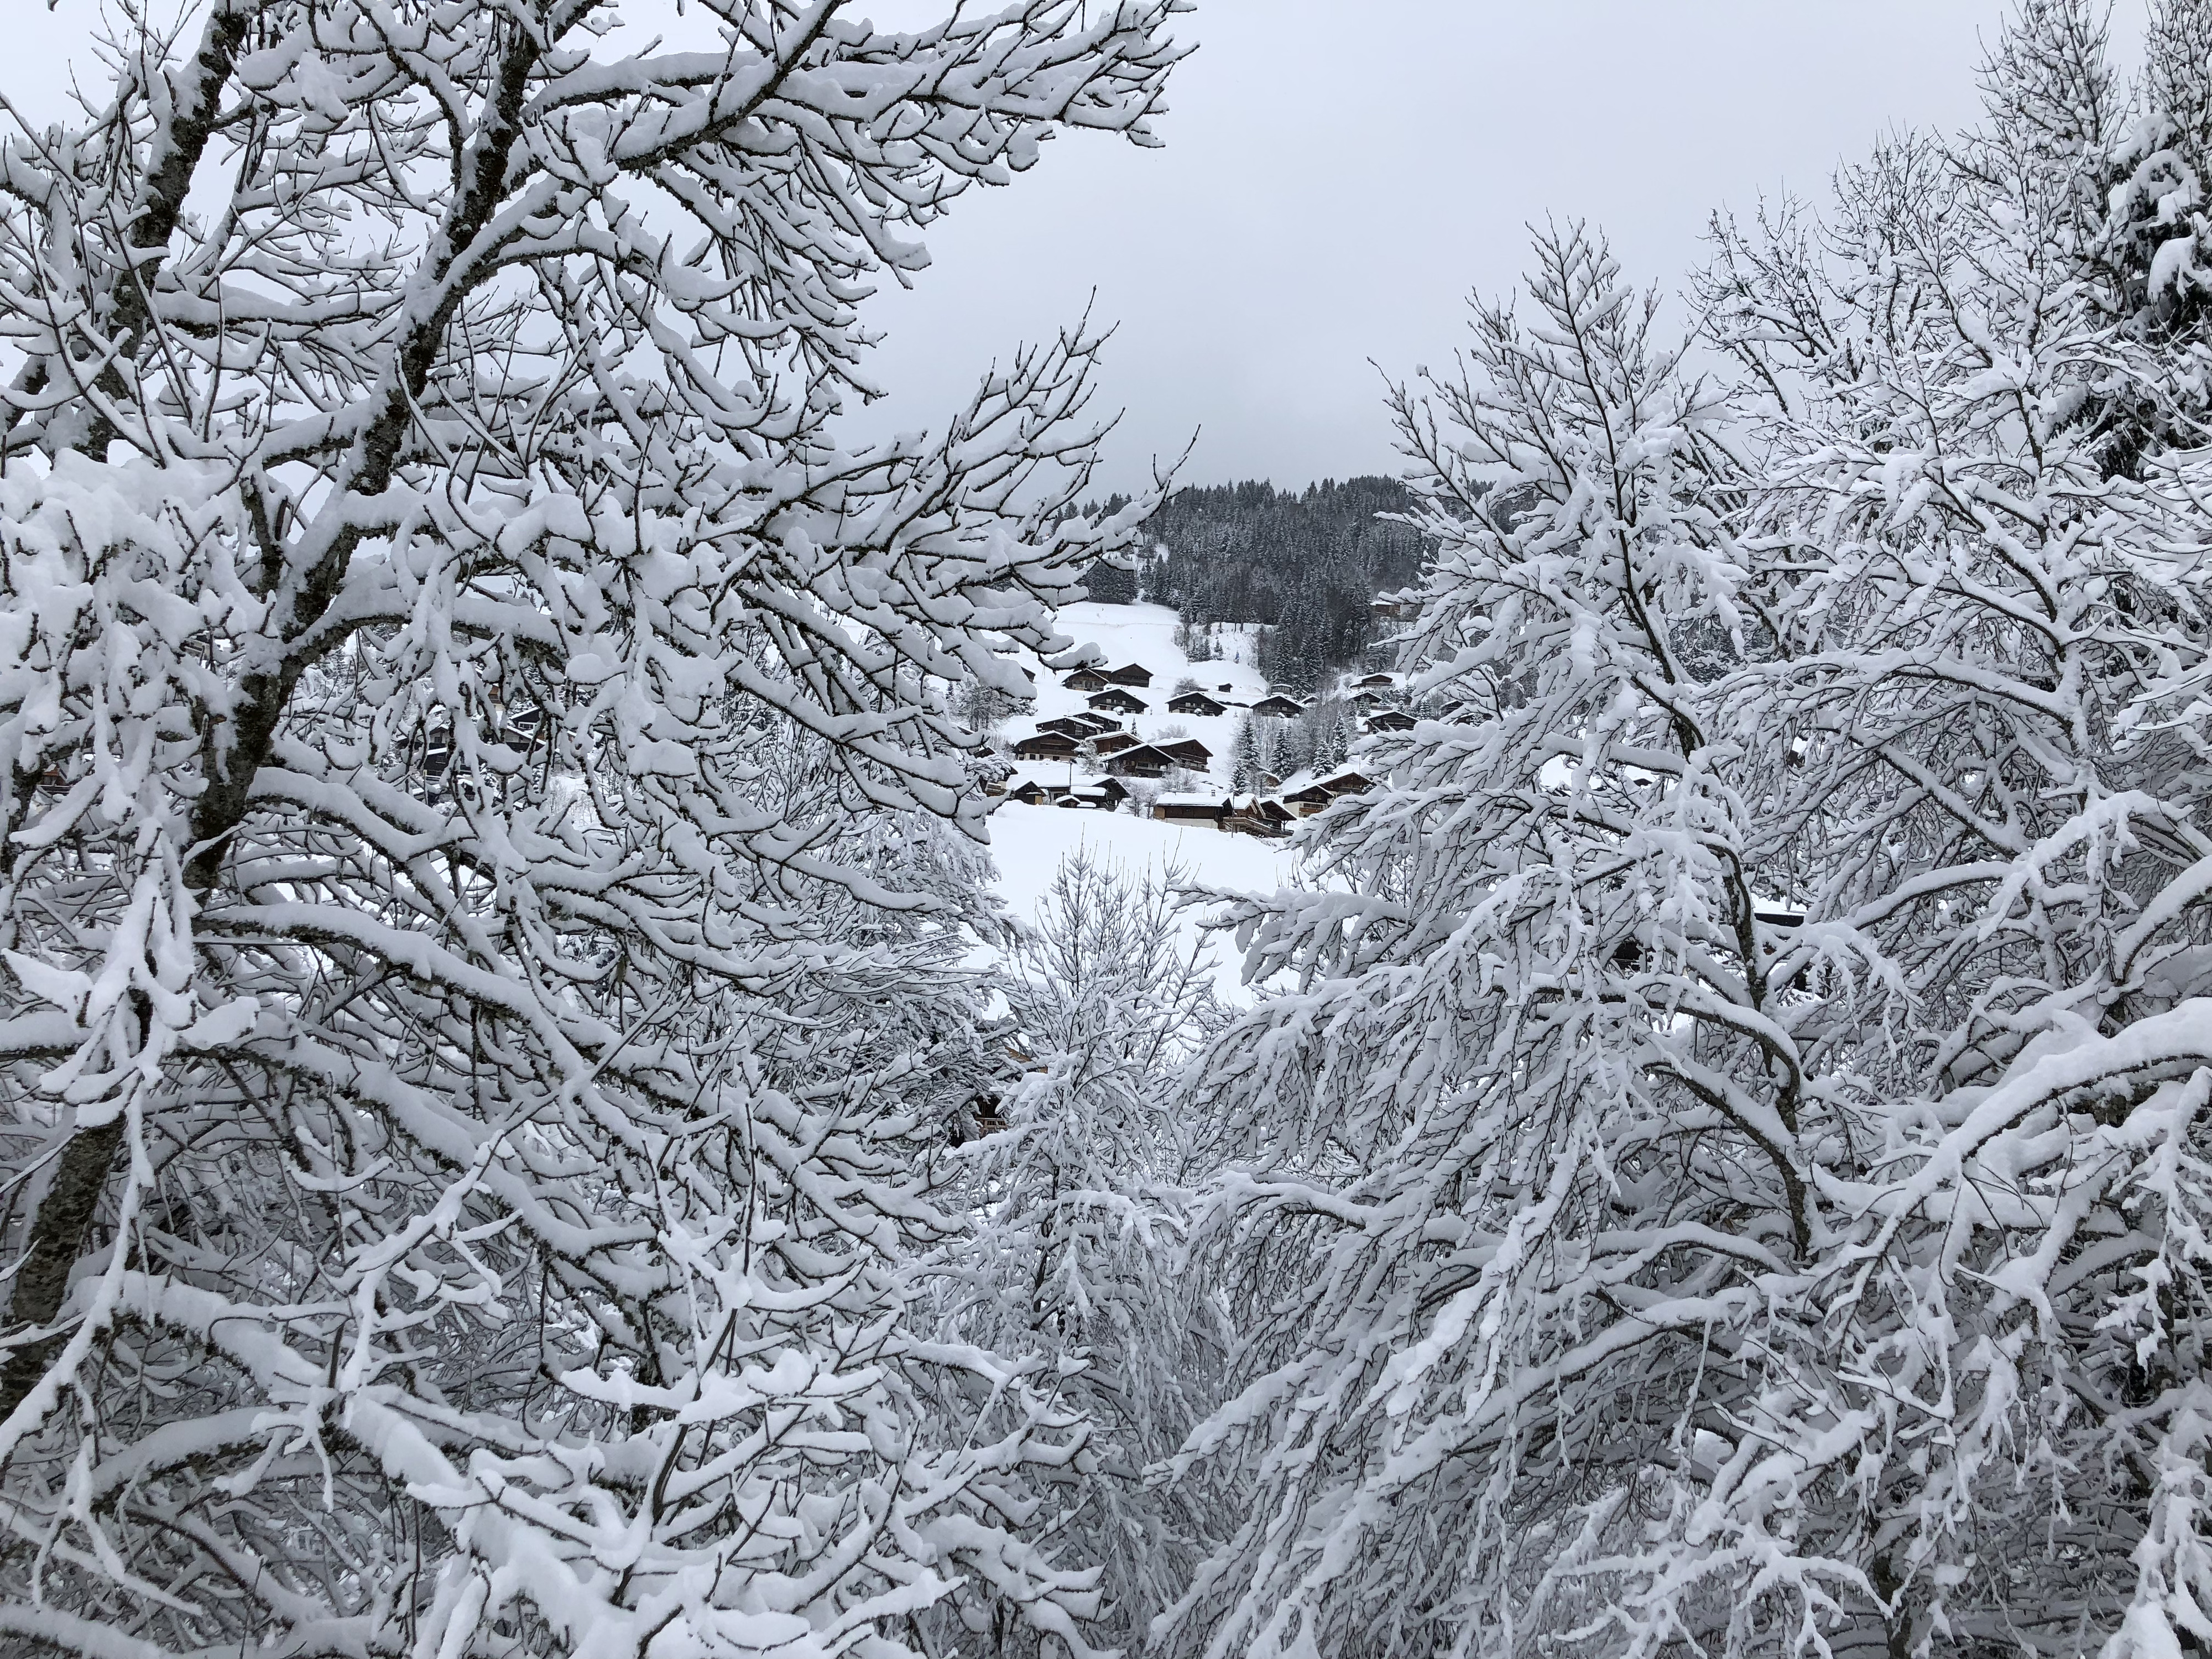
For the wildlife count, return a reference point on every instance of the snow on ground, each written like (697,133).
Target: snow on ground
(1029,842)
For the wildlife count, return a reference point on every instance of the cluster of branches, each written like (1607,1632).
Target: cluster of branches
(506,1149)
(486,858)
(1730,1169)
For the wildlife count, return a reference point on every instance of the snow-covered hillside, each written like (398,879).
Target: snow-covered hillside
(1029,842)
(1145,634)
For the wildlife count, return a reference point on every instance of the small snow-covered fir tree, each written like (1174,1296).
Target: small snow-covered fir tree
(1245,764)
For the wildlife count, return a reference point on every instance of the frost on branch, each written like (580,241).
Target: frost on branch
(487,855)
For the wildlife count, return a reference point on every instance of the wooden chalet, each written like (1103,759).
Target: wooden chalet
(1310,799)
(1390,719)
(1118,700)
(1190,809)
(1130,673)
(1256,815)
(1112,743)
(1085,680)
(1143,761)
(1069,725)
(1187,751)
(1045,745)
(1278,707)
(1196,703)
(1028,792)
(1376,682)
(1395,606)
(1103,795)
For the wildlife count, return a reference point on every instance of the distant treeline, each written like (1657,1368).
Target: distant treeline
(1305,562)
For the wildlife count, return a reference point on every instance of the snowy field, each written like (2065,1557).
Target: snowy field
(1029,842)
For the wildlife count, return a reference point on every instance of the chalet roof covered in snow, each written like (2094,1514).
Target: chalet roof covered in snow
(1044,744)
(1196,703)
(1145,760)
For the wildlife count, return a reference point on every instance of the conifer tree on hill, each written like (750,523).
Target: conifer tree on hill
(1305,564)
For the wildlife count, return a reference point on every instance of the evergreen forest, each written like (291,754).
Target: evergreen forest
(1304,563)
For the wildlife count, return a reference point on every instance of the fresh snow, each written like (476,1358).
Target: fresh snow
(1029,842)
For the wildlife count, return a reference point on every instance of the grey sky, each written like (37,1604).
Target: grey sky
(1337,175)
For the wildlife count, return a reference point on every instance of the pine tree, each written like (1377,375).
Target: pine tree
(1245,764)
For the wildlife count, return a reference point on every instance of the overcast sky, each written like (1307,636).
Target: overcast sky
(1338,174)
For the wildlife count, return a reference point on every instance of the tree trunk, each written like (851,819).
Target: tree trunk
(56,1240)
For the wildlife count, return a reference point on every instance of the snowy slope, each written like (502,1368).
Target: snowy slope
(1029,842)
(1145,634)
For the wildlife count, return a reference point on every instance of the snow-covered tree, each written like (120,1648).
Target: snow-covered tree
(1982,573)
(483,877)
(1079,1195)
(1245,762)
(1733,1173)
(1528,1130)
